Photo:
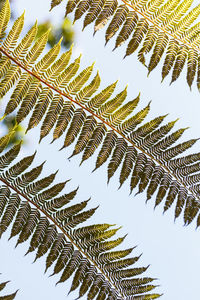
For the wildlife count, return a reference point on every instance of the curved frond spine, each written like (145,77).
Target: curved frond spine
(149,20)
(51,225)
(91,117)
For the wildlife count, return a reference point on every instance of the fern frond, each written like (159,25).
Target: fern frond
(145,152)
(162,25)
(51,223)
(6,297)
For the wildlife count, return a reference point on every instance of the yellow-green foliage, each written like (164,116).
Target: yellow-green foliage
(37,211)
(53,92)
(158,26)
(70,105)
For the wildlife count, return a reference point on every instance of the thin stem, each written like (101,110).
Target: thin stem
(99,118)
(61,228)
(159,27)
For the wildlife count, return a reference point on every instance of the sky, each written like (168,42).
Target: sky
(172,250)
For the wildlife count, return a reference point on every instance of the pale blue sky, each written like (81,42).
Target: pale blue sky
(172,250)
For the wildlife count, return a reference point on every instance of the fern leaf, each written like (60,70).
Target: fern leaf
(49,193)
(154,181)
(30,100)
(9,297)
(106,149)
(71,4)
(29,227)
(114,255)
(68,73)
(85,135)
(2,285)
(4,141)
(160,46)
(64,118)
(130,272)
(66,213)
(80,274)
(64,257)
(51,116)
(12,37)
(94,142)
(57,203)
(48,59)
(173,192)
(18,94)
(108,10)
(119,152)
(9,213)
(79,218)
(55,3)
(127,166)
(192,66)
(55,250)
(82,7)
(40,108)
(162,22)
(130,124)
(148,44)
(5,64)
(39,185)
(110,106)
(4,18)
(9,80)
(4,196)
(58,66)
(146,150)
(102,97)
(37,49)
(89,90)
(39,233)
(79,81)
(18,168)
(49,238)
(122,113)
(127,29)
(25,179)
(116,22)
(9,156)
(120,264)
(21,50)
(71,266)
(95,8)
(180,62)
(138,170)
(170,58)
(140,30)
(154,137)
(21,218)
(75,127)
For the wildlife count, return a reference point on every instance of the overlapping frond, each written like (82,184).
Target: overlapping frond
(147,153)
(6,297)
(36,210)
(160,27)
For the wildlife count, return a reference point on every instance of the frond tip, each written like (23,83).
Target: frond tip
(37,211)
(6,297)
(162,28)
